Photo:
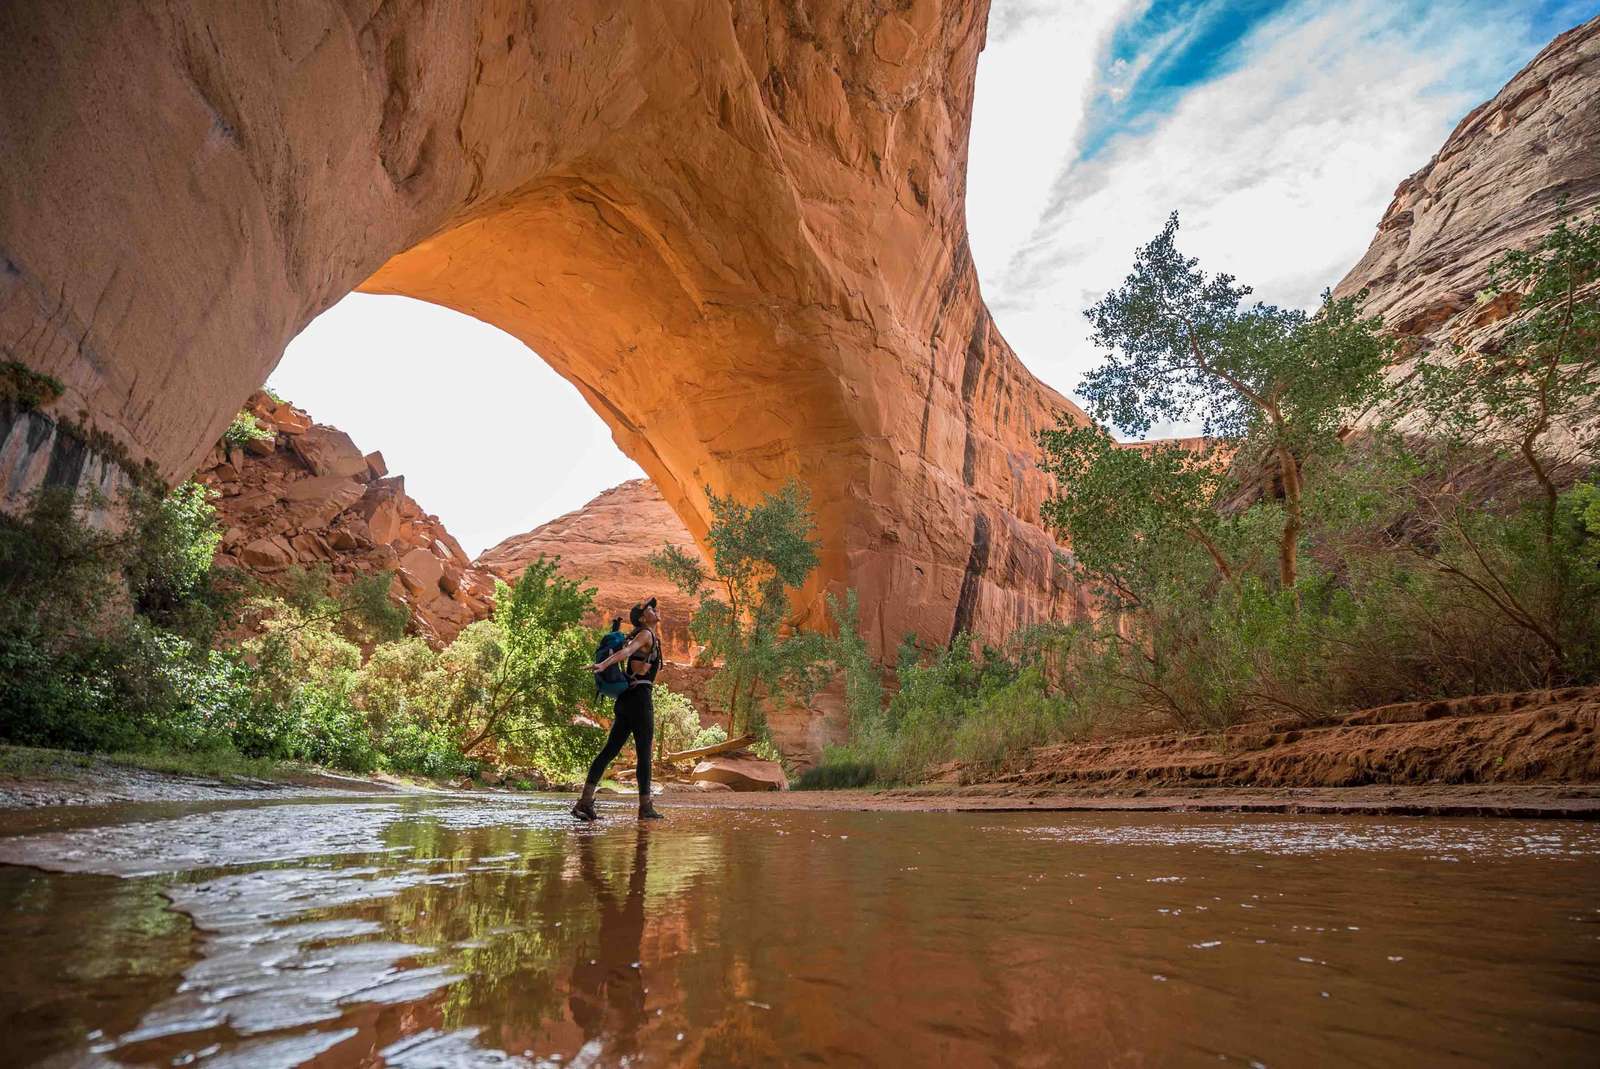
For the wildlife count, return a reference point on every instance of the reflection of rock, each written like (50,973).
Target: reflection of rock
(741,773)
(310,496)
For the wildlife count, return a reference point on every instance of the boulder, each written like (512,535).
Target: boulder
(421,571)
(329,451)
(741,773)
(272,552)
(308,546)
(376,468)
(315,501)
(381,508)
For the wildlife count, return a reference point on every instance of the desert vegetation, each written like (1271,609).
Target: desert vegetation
(1357,523)
(131,641)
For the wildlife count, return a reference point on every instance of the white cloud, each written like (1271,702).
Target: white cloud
(1036,82)
(1280,167)
(489,438)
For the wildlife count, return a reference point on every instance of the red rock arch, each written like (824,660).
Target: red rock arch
(737,227)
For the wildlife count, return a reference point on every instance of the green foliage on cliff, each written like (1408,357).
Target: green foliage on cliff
(1380,566)
(26,388)
(242,431)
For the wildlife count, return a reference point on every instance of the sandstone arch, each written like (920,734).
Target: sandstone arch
(736,225)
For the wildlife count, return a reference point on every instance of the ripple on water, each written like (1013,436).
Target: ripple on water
(1442,842)
(265,970)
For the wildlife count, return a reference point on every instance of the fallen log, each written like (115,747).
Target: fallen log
(706,751)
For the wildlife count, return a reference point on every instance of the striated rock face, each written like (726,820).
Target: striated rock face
(1495,185)
(737,228)
(606,543)
(308,496)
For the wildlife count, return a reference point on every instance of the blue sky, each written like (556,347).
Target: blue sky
(1277,128)
(1155,55)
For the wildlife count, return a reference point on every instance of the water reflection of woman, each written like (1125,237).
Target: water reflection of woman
(607,999)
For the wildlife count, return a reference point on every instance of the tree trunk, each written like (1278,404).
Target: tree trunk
(1289,541)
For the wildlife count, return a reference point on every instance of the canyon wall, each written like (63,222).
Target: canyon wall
(737,228)
(306,496)
(1497,183)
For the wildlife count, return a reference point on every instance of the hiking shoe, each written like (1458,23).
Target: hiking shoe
(649,812)
(584,810)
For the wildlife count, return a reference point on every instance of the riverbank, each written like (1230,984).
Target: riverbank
(31,777)
(43,778)
(1529,754)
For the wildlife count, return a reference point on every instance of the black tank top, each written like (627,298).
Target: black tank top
(652,659)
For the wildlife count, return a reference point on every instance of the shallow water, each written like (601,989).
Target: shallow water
(449,933)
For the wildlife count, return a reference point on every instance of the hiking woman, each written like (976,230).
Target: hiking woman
(634,713)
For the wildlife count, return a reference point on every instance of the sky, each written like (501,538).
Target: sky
(1277,129)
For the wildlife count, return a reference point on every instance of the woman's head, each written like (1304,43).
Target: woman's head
(644,614)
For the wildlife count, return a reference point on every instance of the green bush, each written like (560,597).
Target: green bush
(242,431)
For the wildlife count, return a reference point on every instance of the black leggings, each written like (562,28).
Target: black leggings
(634,714)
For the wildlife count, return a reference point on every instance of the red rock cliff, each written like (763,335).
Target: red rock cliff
(1496,184)
(308,496)
(737,228)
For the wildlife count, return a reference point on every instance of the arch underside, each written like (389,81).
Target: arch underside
(737,228)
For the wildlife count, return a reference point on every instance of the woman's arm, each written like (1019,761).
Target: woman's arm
(621,655)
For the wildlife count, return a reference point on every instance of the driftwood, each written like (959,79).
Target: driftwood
(707,751)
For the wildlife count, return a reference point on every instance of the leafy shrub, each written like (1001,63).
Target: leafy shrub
(242,431)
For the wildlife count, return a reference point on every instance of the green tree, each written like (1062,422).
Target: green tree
(1276,383)
(1542,372)
(758,552)
(532,656)
(241,432)
(1126,509)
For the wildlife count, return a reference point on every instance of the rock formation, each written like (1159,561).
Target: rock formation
(607,544)
(1497,184)
(737,228)
(600,544)
(308,496)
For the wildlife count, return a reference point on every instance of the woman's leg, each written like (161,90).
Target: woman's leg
(614,742)
(583,809)
(644,736)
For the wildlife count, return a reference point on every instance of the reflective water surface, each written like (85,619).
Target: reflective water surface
(451,933)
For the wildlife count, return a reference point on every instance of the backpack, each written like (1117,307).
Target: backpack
(613,681)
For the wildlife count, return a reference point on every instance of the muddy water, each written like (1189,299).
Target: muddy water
(444,933)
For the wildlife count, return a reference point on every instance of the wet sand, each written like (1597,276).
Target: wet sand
(111,786)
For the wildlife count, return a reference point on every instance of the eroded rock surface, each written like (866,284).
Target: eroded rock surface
(737,228)
(1496,184)
(308,496)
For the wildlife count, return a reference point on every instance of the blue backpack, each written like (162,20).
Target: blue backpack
(613,681)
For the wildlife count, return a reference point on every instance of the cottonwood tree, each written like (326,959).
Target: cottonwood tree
(1129,511)
(1543,372)
(529,662)
(758,552)
(1530,393)
(1275,384)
